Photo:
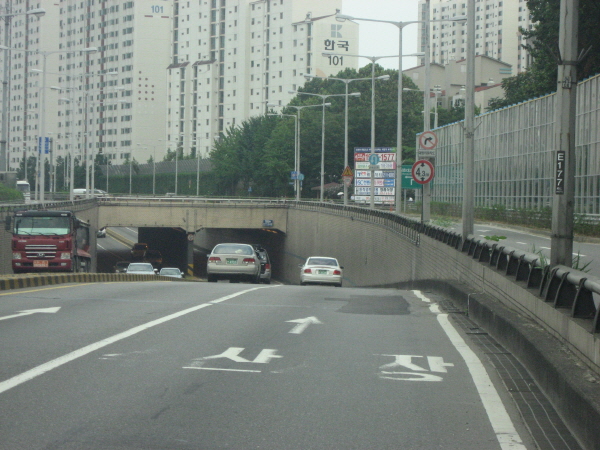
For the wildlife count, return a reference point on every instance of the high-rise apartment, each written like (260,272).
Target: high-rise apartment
(231,58)
(132,79)
(496,30)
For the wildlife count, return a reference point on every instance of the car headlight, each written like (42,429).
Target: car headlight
(65,256)
(16,255)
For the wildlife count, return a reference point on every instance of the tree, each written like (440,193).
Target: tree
(542,44)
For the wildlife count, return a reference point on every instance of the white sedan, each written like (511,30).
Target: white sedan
(321,270)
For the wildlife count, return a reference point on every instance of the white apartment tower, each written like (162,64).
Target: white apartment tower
(497,30)
(232,58)
(105,78)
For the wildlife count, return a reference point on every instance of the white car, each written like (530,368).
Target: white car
(171,272)
(141,269)
(234,262)
(321,270)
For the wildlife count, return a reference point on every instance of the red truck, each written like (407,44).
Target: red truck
(49,241)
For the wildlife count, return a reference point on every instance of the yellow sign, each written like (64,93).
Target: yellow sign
(347,172)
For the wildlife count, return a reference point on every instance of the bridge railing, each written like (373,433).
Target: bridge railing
(565,288)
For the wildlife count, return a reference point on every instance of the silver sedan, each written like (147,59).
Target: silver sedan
(234,262)
(321,270)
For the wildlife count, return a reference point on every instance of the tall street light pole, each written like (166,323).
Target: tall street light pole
(298,156)
(373,59)
(323,97)
(346,81)
(38,12)
(399,158)
(42,138)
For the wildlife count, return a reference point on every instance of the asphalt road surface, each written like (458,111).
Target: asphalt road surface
(189,365)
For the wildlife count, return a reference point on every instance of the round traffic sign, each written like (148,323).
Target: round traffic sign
(428,140)
(422,171)
(374,159)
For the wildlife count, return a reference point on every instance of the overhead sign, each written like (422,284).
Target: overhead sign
(422,171)
(428,140)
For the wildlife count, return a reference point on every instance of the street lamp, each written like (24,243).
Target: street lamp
(373,78)
(42,159)
(400,26)
(38,12)
(323,97)
(346,81)
(298,170)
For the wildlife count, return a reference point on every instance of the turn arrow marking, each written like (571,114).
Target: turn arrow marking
(303,324)
(28,312)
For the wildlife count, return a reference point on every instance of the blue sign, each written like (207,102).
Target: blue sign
(294,175)
(267,222)
(46,146)
(374,159)
(377,149)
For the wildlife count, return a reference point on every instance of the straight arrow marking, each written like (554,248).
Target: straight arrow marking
(28,312)
(303,324)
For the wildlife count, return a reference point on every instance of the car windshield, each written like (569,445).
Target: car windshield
(169,272)
(229,249)
(321,262)
(140,268)
(42,225)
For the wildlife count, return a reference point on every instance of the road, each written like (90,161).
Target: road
(188,365)
(586,253)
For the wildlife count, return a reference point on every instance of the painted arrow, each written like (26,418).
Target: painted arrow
(28,312)
(303,324)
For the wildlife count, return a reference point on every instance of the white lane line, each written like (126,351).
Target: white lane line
(223,370)
(507,435)
(522,243)
(50,365)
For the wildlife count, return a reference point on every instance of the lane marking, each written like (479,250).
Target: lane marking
(222,370)
(53,364)
(18,292)
(507,435)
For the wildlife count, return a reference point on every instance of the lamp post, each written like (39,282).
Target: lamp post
(298,167)
(400,26)
(373,59)
(42,139)
(346,81)
(38,12)
(323,97)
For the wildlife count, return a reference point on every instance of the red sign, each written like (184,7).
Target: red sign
(422,171)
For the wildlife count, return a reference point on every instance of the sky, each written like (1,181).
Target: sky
(377,39)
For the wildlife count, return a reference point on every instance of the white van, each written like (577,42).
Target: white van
(81,193)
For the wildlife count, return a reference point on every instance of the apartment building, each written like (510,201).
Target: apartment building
(105,78)
(232,58)
(497,30)
(164,74)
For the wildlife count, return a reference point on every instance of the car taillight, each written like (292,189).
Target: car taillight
(214,259)
(337,272)
(267,266)
(249,261)
(307,271)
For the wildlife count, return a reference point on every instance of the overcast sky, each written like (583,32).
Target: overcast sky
(377,39)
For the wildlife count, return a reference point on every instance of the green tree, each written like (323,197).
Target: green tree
(542,44)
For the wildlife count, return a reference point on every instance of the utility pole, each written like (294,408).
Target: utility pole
(468,209)
(561,248)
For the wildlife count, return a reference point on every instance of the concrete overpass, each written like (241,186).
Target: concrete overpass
(536,314)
